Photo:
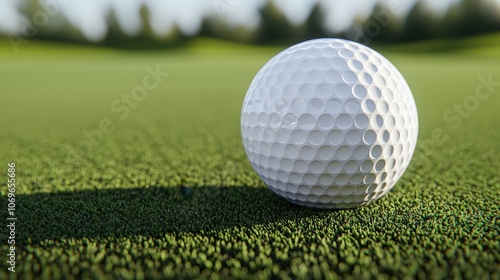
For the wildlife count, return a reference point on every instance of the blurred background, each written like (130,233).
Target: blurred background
(79,56)
(159,23)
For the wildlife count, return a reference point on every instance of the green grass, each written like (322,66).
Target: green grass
(117,210)
(485,44)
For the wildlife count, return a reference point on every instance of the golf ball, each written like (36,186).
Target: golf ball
(329,123)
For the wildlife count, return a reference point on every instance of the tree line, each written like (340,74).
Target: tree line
(463,18)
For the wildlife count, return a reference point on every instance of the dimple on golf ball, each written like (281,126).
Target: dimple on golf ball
(329,123)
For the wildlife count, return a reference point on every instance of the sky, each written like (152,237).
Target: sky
(90,15)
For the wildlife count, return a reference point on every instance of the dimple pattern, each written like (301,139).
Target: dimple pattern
(329,123)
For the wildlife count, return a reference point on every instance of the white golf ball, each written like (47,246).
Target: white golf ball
(329,123)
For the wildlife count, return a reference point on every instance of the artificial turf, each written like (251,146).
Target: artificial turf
(169,192)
